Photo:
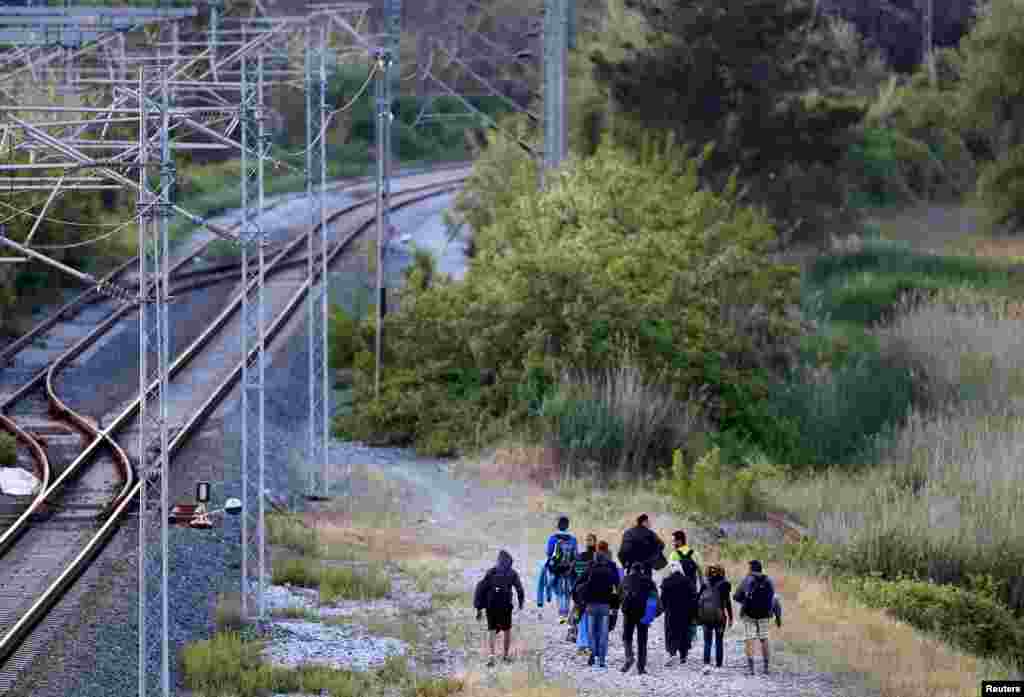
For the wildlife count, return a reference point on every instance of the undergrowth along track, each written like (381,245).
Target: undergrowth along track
(86,547)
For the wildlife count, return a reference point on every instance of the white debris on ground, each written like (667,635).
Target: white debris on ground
(337,646)
(345,646)
(15,481)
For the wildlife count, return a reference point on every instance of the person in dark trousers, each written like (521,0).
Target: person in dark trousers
(494,596)
(714,613)
(640,605)
(561,556)
(583,561)
(600,593)
(687,556)
(641,544)
(759,603)
(679,597)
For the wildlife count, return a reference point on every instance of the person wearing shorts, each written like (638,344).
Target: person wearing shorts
(757,590)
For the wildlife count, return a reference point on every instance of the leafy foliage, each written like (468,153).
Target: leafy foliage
(8,450)
(737,74)
(713,489)
(615,247)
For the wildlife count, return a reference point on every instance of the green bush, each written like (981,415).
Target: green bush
(715,490)
(615,246)
(970,620)
(8,450)
(345,340)
(1001,189)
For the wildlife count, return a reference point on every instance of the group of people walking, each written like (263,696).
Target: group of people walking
(592,590)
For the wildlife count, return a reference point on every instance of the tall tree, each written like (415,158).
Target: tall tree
(735,72)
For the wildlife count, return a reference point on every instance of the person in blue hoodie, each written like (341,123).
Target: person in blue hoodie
(561,565)
(640,606)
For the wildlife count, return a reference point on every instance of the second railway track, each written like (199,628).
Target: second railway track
(71,548)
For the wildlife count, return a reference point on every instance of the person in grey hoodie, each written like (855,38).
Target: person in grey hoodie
(494,596)
(759,603)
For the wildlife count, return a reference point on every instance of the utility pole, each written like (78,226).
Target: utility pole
(316,179)
(383,95)
(253,319)
(927,50)
(556,54)
(154,333)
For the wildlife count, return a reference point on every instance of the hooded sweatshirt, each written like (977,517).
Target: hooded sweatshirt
(501,573)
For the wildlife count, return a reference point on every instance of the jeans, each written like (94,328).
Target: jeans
(582,633)
(597,618)
(641,641)
(714,635)
(563,591)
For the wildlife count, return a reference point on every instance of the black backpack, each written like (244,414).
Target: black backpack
(634,598)
(499,593)
(709,607)
(760,596)
(690,569)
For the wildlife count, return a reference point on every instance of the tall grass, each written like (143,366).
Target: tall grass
(944,500)
(619,418)
(334,582)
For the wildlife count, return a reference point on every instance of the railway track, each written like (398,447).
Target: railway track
(38,554)
(43,427)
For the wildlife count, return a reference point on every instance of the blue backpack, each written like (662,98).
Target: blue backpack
(653,609)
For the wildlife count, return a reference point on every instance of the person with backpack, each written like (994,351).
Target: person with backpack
(640,606)
(759,602)
(679,598)
(687,556)
(577,617)
(494,596)
(561,565)
(641,544)
(599,591)
(714,614)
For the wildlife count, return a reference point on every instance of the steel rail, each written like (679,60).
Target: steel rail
(90,296)
(21,629)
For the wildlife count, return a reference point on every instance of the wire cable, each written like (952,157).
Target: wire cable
(28,211)
(331,115)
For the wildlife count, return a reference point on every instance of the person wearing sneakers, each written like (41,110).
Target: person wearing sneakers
(759,603)
(561,565)
(600,593)
(494,596)
(583,561)
(640,606)
(679,597)
(687,558)
(714,614)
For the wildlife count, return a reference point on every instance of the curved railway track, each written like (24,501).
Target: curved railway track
(68,550)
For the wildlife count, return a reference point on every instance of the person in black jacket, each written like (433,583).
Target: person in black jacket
(494,595)
(641,544)
(637,590)
(599,591)
(714,628)
(679,597)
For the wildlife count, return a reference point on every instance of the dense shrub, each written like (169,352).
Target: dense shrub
(713,489)
(614,247)
(974,621)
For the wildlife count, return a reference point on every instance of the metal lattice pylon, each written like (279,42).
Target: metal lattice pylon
(154,335)
(253,333)
(316,179)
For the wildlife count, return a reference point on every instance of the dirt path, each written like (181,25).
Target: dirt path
(454,509)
